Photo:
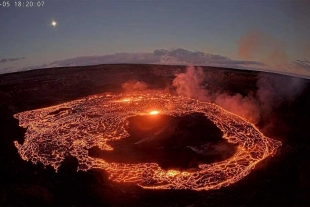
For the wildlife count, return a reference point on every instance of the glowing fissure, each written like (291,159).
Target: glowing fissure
(93,121)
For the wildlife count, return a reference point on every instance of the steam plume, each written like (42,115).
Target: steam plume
(189,84)
(133,85)
(260,46)
(272,91)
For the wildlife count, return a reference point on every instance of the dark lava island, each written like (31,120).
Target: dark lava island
(172,142)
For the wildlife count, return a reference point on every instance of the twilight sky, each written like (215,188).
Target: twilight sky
(273,35)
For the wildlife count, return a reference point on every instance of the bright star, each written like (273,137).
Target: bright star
(54,24)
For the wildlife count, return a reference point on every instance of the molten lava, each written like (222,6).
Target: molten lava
(76,126)
(154,112)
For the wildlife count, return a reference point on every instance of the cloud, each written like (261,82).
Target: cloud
(203,59)
(186,57)
(8,70)
(303,64)
(5,60)
(105,59)
(166,57)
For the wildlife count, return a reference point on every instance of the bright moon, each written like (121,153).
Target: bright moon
(54,24)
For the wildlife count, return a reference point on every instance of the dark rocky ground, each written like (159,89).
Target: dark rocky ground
(283,180)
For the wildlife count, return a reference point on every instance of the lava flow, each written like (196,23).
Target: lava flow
(76,126)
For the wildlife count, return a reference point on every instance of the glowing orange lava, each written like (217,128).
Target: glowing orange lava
(126,100)
(154,112)
(76,126)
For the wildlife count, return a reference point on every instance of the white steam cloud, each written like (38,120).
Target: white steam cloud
(189,84)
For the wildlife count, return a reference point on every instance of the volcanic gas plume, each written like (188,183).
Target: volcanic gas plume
(76,126)
(271,92)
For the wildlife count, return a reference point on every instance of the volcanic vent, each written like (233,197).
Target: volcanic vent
(103,121)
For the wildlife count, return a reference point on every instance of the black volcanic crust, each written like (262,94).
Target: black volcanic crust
(171,142)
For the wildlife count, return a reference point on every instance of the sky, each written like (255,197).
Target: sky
(271,35)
